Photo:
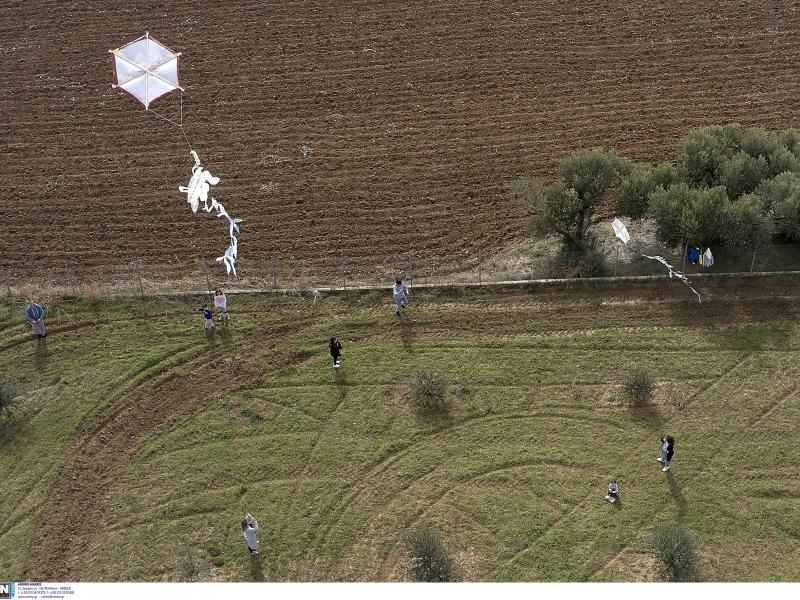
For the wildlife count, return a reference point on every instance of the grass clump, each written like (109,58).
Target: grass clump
(428,391)
(674,547)
(428,560)
(9,394)
(252,414)
(188,567)
(639,386)
(213,548)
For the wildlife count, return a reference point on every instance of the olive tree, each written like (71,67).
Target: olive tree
(682,214)
(747,223)
(567,206)
(634,189)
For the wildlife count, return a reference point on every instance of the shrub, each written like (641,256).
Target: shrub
(673,546)
(787,217)
(567,207)
(639,386)
(213,548)
(702,151)
(742,173)
(9,393)
(188,568)
(748,223)
(428,391)
(428,560)
(635,188)
(779,188)
(686,214)
(252,414)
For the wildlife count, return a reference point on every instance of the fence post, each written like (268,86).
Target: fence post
(274,277)
(139,273)
(410,270)
(344,271)
(8,288)
(70,278)
(685,250)
(753,262)
(616,261)
(208,281)
(480,270)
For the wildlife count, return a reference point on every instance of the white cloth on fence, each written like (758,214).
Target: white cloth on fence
(708,258)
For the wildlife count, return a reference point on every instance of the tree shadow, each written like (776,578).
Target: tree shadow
(648,416)
(677,495)
(256,572)
(41,354)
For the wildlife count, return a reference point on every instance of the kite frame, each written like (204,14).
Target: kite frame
(176,89)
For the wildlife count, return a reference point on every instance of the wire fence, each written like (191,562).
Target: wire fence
(338,272)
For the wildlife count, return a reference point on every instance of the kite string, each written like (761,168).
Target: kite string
(178,125)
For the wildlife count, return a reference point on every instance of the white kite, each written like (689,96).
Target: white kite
(147,70)
(622,233)
(199,185)
(197,192)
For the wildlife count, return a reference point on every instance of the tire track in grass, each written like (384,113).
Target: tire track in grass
(735,366)
(737,435)
(80,497)
(350,497)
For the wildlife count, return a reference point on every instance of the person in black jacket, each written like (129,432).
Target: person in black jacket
(336,352)
(667,450)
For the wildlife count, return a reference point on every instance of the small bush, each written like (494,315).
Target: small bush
(188,567)
(213,548)
(428,560)
(639,386)
(428,391)
(9,393)
(252,414)
(673,547)
(217,561)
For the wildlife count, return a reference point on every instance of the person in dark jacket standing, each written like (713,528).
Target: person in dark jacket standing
(336,352)
(667,450)
(208,317)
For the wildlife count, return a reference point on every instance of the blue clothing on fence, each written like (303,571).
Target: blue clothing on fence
(34,312)
(693,255)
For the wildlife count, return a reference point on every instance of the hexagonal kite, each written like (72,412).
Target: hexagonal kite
(146,69)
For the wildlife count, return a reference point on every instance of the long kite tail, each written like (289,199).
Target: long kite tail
(674,273)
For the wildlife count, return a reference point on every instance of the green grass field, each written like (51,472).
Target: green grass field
(337,466)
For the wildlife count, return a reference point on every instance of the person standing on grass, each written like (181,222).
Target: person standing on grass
(613,492)
(400,295)
(221,304)
(667,450)
(207,315)
(336,352)
(249,529)
(34,313)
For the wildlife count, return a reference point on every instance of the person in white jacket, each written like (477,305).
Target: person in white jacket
(400,295)
(249,529)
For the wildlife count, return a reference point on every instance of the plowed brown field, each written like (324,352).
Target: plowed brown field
(376,129)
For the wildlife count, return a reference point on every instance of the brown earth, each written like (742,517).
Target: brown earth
(374,129)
